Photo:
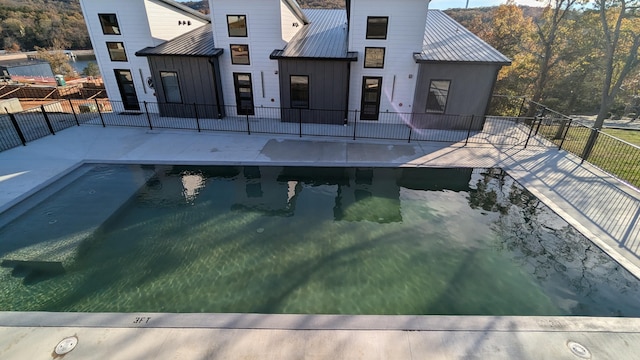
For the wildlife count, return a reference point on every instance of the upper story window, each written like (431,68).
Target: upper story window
(377,27)
(171,87)
(374,57)
(240,54)
(109,24)
(237,25)
(116,51)
(299,91)
(438,95)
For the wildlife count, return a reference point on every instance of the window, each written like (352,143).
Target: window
(299,92)
(239,54)
(116,51)
(374,57)
(377,27)
(237,25)
(438,94)
(109,24)
(171,87)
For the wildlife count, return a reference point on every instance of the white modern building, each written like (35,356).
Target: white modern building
(385,61)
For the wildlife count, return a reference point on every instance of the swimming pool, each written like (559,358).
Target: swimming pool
(131,238)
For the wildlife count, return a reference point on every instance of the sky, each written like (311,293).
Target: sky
(448,4)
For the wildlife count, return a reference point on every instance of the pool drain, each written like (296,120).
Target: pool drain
(579,350)
(66,345)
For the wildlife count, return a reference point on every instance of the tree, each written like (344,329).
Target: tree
(56,57)
(620,22)
(548,27)
(91,70)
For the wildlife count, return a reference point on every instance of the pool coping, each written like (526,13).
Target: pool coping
(473,323)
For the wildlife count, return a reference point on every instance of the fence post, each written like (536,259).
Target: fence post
(99,112)
(300,121)
(466,141)
(146,110)
(566,132)
(248,127)
(46,119)
(410,133)
(74,113)
(17,127)
(355,124)
(195,108)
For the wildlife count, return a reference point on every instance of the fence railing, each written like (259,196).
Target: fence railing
(52,116)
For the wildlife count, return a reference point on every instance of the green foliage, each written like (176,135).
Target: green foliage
(91,70)
(26,25)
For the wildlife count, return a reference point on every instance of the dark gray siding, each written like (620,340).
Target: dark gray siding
(328,89)
(469,94)
(197,86)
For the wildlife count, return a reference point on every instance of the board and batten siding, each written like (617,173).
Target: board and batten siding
(405,34)
(328,87)
(264,34)
(135,29)
(466,97)
(196,77)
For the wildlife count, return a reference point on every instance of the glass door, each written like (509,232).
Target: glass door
(127,90)
(371,92)
(244,93)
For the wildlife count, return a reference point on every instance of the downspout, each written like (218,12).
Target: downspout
(346,104)
(217,84)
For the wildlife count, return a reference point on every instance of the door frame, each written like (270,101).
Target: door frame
(236,82)
(125,101)
(375,116)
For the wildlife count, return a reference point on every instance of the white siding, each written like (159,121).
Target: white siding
(264,32)
(407,19)
(289,30)
(163,21)
(136,35)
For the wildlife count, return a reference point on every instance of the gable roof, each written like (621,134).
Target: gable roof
(186,9)
(324,37)
(297,11)
(197,43)
(445,40)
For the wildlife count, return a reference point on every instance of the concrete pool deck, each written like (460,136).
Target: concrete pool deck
(598,205)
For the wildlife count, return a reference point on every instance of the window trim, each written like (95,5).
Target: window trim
(232,57)
(386,28)
(446,102)
(384,52)
(246,30)
(124,51)
(102,25)
(291,92)
(164,87)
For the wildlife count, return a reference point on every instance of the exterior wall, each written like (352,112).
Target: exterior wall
(136,34)
(328,86)
(287,22)
(163,21)
(465,97)
(405,36)
(197,81)
(264,34)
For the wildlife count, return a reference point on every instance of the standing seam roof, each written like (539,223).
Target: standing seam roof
(445,40)
(325,37)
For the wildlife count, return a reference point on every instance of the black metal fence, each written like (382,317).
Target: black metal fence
(19,128)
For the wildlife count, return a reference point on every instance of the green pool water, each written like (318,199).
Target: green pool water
(125,238)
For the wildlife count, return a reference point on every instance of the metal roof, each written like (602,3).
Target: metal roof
(198,43)
(186,9)
(445,40)
(324,37)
